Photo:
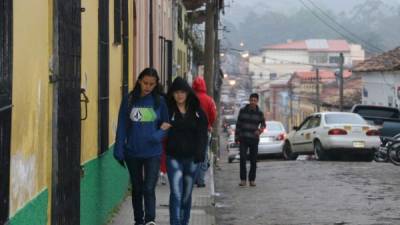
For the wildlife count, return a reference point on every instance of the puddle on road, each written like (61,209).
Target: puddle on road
(220,205)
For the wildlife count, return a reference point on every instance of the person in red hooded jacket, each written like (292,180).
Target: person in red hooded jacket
(207,104)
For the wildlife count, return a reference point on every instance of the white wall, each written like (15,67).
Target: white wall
(381,88)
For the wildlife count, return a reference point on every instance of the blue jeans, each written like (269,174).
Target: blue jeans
(203,166)
(144,176)
(181,175)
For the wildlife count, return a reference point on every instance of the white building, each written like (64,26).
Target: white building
(276,60)
(381,79)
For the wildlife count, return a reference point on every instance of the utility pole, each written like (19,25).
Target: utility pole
(290,104)
(341,62)
(317,89)
(209,47)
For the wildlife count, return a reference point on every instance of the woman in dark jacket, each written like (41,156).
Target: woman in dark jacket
(185,148)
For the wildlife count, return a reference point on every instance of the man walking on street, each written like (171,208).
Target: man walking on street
(250,124)
(207,104)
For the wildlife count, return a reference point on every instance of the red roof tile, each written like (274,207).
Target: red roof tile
(388,61)
(323,74)
(319,45)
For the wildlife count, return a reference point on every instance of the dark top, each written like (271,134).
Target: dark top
(187,137)
(248,122)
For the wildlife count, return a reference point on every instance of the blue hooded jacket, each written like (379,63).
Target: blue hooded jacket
(138,130)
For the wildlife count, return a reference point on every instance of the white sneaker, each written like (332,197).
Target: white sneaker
(163,178)
(151,223)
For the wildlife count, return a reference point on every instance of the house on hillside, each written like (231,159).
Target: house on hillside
(304,92)
(276,60)
(381,79)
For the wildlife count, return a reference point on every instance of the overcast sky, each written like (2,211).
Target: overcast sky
(236,10)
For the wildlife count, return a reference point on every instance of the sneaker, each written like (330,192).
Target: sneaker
(252,184)
(242,183)
(162,178)
(151,223)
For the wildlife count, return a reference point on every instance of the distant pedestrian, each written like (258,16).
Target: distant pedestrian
(208,105)
(142,124)
(250,124)
(185,148)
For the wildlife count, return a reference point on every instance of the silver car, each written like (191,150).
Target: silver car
(233,149)
(328,134)
(272,139)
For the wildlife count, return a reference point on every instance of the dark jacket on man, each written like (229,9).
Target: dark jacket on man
(249,121)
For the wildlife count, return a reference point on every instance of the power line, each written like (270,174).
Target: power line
(344,28)
(330,26)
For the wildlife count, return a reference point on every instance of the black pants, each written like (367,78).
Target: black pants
(144,176)
(252,146)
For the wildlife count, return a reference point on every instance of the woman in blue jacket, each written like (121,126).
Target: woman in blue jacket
(142,124)
(186,143)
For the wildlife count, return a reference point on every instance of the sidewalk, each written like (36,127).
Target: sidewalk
(202,213)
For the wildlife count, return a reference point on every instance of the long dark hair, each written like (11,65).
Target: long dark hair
(134,95)
(192,102)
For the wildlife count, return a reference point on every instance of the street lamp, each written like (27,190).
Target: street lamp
(241,44)
(232,82)
(222,54)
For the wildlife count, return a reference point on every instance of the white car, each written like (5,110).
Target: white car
(272,139)
(233,149)
(328,133)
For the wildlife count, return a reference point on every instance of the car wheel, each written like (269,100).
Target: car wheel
(287,152)
(319,151)
(230,160)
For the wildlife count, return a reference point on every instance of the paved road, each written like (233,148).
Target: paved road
(310,192)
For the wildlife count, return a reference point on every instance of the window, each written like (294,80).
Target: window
(180,22)
(314,122)
(344,119)
(272,76)
(305,123)
(318,58)
(334,59)
(264,59)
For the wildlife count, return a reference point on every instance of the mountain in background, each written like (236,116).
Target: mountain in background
(371,23)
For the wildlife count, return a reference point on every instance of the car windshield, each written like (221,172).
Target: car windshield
(344,118)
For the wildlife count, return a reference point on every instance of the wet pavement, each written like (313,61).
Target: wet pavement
(309,192)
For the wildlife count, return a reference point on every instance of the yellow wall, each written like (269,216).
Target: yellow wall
(115,80)
(32,97)
(89,78)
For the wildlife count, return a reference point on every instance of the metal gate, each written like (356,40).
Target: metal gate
(103,74)
(5,105)
(67,112)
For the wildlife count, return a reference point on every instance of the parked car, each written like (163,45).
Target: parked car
(272,139)
(387,119)
(231,129)
(228,120)
(329,133)
(233,149)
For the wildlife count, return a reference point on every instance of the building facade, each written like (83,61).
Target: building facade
(64,68)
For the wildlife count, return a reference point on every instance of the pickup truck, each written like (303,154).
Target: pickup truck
(387,118)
